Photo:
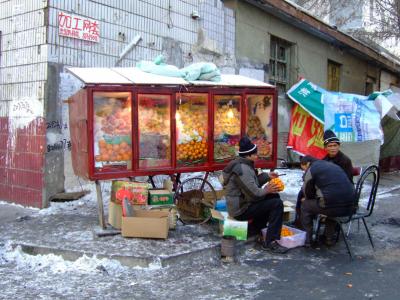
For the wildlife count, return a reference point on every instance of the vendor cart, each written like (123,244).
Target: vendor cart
(126,123)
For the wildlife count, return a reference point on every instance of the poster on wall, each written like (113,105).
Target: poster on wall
(78,27)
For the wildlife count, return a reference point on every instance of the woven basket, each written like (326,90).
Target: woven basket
(190,203)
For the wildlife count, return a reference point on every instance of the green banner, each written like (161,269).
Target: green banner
(310,97)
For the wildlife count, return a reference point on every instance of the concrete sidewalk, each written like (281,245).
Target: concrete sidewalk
(71,229)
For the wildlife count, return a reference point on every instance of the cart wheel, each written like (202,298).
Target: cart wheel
(193,198)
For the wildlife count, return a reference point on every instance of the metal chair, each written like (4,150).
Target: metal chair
(373,173)
(363,213)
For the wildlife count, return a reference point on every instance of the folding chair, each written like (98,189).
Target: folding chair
(371,172)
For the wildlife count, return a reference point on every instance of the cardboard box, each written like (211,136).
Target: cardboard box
(115,215)
(160,197)
(172,214)
(146,224)
(286,213)
(231,227)
(135,192)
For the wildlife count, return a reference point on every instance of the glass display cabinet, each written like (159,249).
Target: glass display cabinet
(134,129)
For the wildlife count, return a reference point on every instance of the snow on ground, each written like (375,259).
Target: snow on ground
(52,277)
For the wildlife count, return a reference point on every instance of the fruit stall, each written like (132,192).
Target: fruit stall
(126,123)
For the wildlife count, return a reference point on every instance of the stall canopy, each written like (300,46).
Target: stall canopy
(131,76)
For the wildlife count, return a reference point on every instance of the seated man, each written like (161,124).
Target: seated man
(332,147)
(334,155)
(328,191)
(247,200)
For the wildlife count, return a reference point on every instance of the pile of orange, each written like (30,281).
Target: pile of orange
(114,152)
(193,150)
(286,232)
(279,183)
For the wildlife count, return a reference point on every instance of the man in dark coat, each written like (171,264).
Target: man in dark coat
(247,200)
(334,155)
(332,147)
(327,191)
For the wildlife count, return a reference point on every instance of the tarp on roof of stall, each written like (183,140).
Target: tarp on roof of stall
(129,76)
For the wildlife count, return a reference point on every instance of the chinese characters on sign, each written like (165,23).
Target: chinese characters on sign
(306,133)
(78,27)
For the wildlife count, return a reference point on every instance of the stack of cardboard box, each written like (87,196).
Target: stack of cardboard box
(152,210)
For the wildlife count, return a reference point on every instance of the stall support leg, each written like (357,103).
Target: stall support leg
(100,205)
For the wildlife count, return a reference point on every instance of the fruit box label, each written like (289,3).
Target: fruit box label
(160,197)
(135,192)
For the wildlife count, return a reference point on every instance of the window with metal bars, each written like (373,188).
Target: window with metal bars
(279,63)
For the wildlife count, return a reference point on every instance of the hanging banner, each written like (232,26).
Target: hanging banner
(310,97)
(305,134)
(353,118)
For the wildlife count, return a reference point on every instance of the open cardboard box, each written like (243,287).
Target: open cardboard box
(115,215)
(146,224)
(286,212)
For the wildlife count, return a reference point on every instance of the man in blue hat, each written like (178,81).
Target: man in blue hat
(247,200)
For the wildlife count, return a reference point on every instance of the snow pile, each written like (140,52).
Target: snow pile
(56,264)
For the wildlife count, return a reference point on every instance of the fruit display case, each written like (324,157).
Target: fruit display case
(125,123)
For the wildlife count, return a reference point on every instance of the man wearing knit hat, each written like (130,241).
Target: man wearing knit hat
(248,200)
(334,155)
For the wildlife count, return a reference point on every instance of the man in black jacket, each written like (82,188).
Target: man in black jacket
(334,155)
(332,147)
(327,191)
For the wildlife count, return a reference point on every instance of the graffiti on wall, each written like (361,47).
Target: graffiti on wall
(57,125)
(63,145)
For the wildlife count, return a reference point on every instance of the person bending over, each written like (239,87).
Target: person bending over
(247,200)
(327,191)
(334,155)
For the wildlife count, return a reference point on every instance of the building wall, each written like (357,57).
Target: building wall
(23,75)
(35,158)
(165,27)
(309,58)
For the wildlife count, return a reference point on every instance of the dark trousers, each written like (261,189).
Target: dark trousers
(297,219)
(310,209)
(269,210)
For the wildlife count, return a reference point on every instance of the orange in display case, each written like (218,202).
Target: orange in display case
(124,127)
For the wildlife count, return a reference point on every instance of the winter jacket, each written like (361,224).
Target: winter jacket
(329,184)
(342,161)
(242,185)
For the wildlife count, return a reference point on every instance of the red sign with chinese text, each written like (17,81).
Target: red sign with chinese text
(306,134)
(78,27)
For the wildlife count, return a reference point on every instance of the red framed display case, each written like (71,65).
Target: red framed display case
(132,130)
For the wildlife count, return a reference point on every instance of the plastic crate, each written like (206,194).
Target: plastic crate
(293,241)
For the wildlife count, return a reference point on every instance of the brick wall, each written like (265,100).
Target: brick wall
(21,163)
(23,69)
